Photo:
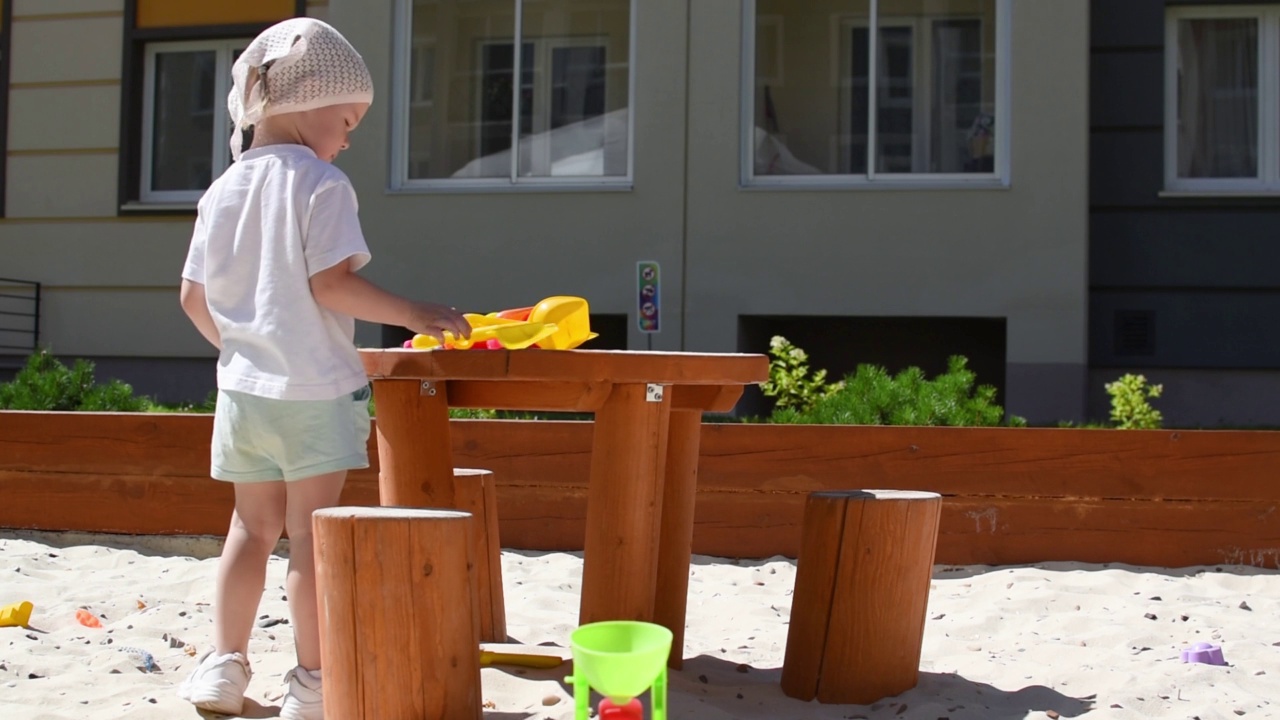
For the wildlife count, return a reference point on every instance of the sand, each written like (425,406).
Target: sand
(1042,641)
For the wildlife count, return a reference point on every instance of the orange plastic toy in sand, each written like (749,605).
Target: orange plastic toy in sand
(561,322)
(87,619)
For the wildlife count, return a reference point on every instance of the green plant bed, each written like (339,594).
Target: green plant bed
(44,383)
(871,396)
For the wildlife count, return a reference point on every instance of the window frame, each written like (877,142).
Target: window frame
(399,162)
(6,37)
(1268,181)
(220,151)
(1000,177)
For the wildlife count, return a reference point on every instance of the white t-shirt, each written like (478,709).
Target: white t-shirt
(274,219)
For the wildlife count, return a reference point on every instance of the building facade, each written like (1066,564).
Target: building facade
(740,145)
(1185,179)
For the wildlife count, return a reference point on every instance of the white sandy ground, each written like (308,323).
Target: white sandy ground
(1050,640)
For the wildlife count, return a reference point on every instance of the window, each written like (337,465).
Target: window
(185,126)
(460,110)
(931,115)
(1222,114)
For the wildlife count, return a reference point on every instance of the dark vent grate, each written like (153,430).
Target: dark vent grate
(1135,332)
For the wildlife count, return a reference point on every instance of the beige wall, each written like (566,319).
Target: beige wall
(504,249)
(110,283)
(1017,252)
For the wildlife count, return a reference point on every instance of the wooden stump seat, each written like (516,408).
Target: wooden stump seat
(475,492)
(398,627)
(862,586)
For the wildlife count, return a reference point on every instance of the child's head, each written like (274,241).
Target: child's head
(304,72)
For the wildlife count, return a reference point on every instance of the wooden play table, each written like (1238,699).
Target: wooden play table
(644,459)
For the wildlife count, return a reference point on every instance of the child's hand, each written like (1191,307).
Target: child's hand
(436,320)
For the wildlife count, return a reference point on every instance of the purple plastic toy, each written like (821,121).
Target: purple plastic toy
(1203,653)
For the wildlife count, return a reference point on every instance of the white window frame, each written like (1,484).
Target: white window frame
(400,125)
(1268,181)
(840,25)
(220,152)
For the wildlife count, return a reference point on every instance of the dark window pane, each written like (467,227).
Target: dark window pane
(182,134)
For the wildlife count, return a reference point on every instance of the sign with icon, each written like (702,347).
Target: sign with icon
(648,306)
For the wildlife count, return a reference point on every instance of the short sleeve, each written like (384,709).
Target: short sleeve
(333,229)
(193,269)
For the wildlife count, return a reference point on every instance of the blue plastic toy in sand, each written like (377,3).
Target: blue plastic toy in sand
(620,659)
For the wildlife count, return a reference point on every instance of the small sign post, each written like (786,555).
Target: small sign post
(648,305)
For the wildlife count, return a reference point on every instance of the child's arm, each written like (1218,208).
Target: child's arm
(343,291)
(197,308)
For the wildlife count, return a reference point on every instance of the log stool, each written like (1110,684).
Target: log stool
(399,633)
(474,492)
(862,586)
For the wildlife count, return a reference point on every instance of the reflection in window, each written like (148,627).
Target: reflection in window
(183,120)
(568,117)
(185,124)
(1218,98)
(930,111)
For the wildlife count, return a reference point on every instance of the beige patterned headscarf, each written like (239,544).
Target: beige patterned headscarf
(293,66)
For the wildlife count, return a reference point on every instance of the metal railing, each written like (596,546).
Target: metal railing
(19,316)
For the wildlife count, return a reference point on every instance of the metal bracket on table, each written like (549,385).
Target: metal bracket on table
(653,393)
(428,388)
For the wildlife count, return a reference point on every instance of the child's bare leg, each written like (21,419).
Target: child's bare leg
(305,497)
(242,570)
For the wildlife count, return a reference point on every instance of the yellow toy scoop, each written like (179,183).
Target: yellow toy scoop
(571,318)
(511,334)
(560,322)
(488,658)
(16,615)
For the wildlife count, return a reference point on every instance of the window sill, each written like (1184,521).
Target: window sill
(1223,194)
(833,184)
(155,208)
(450,188)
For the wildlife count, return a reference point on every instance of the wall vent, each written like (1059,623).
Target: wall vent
(1135,333)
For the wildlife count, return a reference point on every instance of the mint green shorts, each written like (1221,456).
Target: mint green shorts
(257,439)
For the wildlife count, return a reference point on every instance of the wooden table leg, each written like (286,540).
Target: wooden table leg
(675,545)
(624,505)
(415,456)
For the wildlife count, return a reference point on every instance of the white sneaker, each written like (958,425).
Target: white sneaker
(218,683)
(303,700)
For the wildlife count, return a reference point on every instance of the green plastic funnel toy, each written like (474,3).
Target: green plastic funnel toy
(620,659)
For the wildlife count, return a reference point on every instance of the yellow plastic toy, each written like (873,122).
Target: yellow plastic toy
(561,322)
(16,615)
(488,658)
(571,318)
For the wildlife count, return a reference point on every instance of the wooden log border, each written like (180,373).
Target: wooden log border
(1161,498)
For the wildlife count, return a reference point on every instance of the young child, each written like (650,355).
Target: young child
(270,280)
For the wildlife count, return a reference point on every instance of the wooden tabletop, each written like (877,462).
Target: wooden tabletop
(614,366)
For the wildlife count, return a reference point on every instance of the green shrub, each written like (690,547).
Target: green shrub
(46,384)
(1129,407)
(789,381)
(870,396)
(206,406)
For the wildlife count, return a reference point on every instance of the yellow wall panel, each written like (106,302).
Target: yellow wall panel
(117,252)
(121,322)
(65,51)
(64,118)
(45,8)
(179,13)
(61,186)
